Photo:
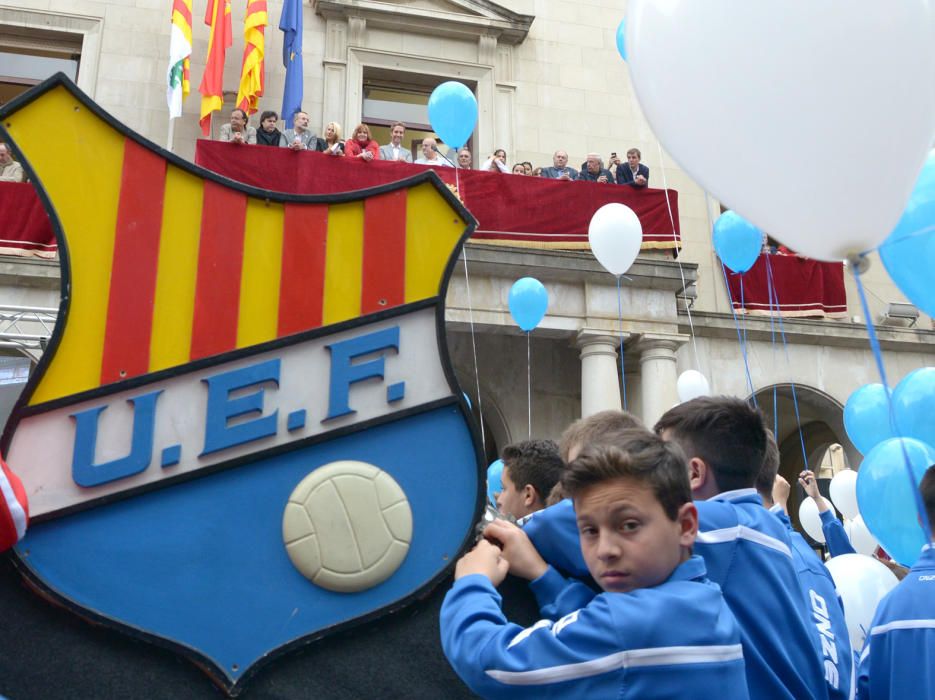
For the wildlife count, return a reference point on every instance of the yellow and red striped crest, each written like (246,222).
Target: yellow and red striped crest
(168,264)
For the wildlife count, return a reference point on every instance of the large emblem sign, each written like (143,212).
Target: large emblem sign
(245,433)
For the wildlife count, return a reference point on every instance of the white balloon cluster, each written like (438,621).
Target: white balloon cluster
(843,491)
(785,93)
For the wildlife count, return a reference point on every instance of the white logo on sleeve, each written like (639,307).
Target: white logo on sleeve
(564,622)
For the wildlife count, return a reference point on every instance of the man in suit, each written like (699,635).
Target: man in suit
(237,131)
(560,169)
(395,151)
(633,173)
(300,137)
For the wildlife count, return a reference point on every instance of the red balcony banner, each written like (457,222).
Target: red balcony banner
(803,287)
(24,225)
(511,209)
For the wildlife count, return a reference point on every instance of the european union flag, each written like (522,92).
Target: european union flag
(290,23)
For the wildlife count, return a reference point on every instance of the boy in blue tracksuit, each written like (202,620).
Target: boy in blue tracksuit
(746,550)
(660,629)
(821,596)
(835,537)
(898,659)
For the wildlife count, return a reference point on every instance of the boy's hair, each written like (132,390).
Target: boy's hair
(534,462)
(641,457)
(927,487)
(767,474)
(724,431)
(267,114)
(602,428)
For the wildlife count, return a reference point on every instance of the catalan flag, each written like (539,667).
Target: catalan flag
(218,17)
(251,74)
(14,512)
(180,51)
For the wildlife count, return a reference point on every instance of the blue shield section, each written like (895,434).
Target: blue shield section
(202,563)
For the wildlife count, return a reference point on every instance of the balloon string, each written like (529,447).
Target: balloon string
(878,358)
(480,403)
(623,377)
(743,316)
(688,308)
(529,385)
(772,336)
(743,349)
(773,295)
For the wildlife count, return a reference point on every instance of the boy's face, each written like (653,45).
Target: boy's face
(514,500)
(627,540)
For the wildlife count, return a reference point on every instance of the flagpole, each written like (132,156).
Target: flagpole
(171,135)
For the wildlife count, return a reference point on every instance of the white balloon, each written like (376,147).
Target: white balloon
(692,384)
(615,234)
(811,520)
(787,101)
(843,492)
(862,582)
(861,538)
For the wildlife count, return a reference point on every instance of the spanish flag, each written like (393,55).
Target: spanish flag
(180,51)
(218,17)
(251,74)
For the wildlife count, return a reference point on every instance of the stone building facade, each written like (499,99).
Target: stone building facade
(547,76)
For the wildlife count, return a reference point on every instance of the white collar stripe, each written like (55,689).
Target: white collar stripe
(736,493)
(741,532)
(17,513)
(903,625)
(634,658)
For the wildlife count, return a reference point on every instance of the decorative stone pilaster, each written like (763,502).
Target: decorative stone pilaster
(600,380)
(658,376)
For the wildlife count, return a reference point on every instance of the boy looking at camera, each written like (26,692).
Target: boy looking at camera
(659,629)
(744,547)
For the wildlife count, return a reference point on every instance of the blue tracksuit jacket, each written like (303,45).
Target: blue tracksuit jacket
(821,599)
(835,536)
(747,552)
(675,640)
(898,660)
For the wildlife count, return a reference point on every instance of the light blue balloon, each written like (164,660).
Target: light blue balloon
(886,499)
(737,242)
(529,301)
(867,417)
(494,481)
(914,405)
(453,113)
(622,39)
(909,252)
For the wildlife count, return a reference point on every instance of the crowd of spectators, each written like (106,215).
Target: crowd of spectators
(362,145)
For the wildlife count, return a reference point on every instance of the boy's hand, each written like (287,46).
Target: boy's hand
(484,559)
(781,491)
(810,484)
(518,550)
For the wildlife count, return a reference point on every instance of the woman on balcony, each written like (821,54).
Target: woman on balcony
(334,146)
(361,145)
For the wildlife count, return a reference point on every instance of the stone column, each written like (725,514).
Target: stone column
(659,375)
(600,380)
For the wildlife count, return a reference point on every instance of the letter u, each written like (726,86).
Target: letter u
(83,469)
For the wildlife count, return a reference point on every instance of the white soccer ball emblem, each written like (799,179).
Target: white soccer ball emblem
(347,526)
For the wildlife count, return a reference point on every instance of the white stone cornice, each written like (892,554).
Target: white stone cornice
(474,18)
